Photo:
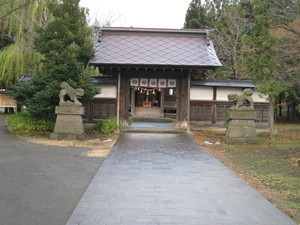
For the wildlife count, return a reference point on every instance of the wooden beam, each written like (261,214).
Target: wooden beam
(132,101)
(188,103)
(184,101)
(162,102)
(214,113)
(123,109)
(118,97)
(178,103)
(214,107)
(127,94)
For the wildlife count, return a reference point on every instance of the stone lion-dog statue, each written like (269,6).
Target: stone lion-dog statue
(241,100)
(73,94)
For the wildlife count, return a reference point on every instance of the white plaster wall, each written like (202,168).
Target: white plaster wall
(256,97)
(222,92)
(201,93)
(107,91)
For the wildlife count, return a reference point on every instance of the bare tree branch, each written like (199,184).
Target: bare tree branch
(288,27)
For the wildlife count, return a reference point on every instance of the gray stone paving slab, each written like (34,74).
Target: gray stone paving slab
(152,125)
(169,179)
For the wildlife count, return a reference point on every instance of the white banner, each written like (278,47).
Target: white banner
(162,83)
(171,83)
(153,83)
(143,82)
(134,82)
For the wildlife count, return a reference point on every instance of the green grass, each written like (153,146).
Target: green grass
(273,163)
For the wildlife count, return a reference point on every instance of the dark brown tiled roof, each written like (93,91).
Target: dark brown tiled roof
(154,47)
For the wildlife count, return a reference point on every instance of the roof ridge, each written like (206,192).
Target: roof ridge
(158,30)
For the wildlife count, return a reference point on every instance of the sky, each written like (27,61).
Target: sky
(138,13)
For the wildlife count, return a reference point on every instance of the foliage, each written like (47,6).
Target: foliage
(130,120)
(19,20)
(196,16)
(288,57)
(66,45)
(107,126)
(229,20)
(257,40)
(262,58)
(23,123)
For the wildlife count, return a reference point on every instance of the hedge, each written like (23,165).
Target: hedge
(23,123)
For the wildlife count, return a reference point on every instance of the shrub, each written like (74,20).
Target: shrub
(24,123)
(107,126)
(130,120)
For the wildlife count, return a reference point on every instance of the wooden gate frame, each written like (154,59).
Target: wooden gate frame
(183,95)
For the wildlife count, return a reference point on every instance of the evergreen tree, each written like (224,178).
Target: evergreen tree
(18,21)
(66,45)
(196,16)
(261,58)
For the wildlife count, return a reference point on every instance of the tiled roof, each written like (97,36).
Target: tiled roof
(224,83)
(155,47)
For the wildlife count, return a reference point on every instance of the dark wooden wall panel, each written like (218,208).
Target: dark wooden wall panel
(99,109)
(202,111)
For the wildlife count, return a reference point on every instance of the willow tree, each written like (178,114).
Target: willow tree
(19,20)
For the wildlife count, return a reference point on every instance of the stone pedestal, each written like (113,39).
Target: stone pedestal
(241,128)
(69,123)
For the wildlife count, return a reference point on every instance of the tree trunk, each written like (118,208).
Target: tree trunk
(280,106)
(288,112)
(293,112)
(271,118)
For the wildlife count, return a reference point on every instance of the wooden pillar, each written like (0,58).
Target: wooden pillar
(178,103)
(214,107)
(188,102)
(183,102)
(162,102)
(132,101)
(118,97)
(123,101)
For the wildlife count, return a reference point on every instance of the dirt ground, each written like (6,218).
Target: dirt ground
(99,146)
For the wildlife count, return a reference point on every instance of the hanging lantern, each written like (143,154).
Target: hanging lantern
(159,89)
(153,92)
(141,91)
(147,93)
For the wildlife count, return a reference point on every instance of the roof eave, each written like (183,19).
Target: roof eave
(157,66)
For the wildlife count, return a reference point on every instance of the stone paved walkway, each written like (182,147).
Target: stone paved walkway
(168,179)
